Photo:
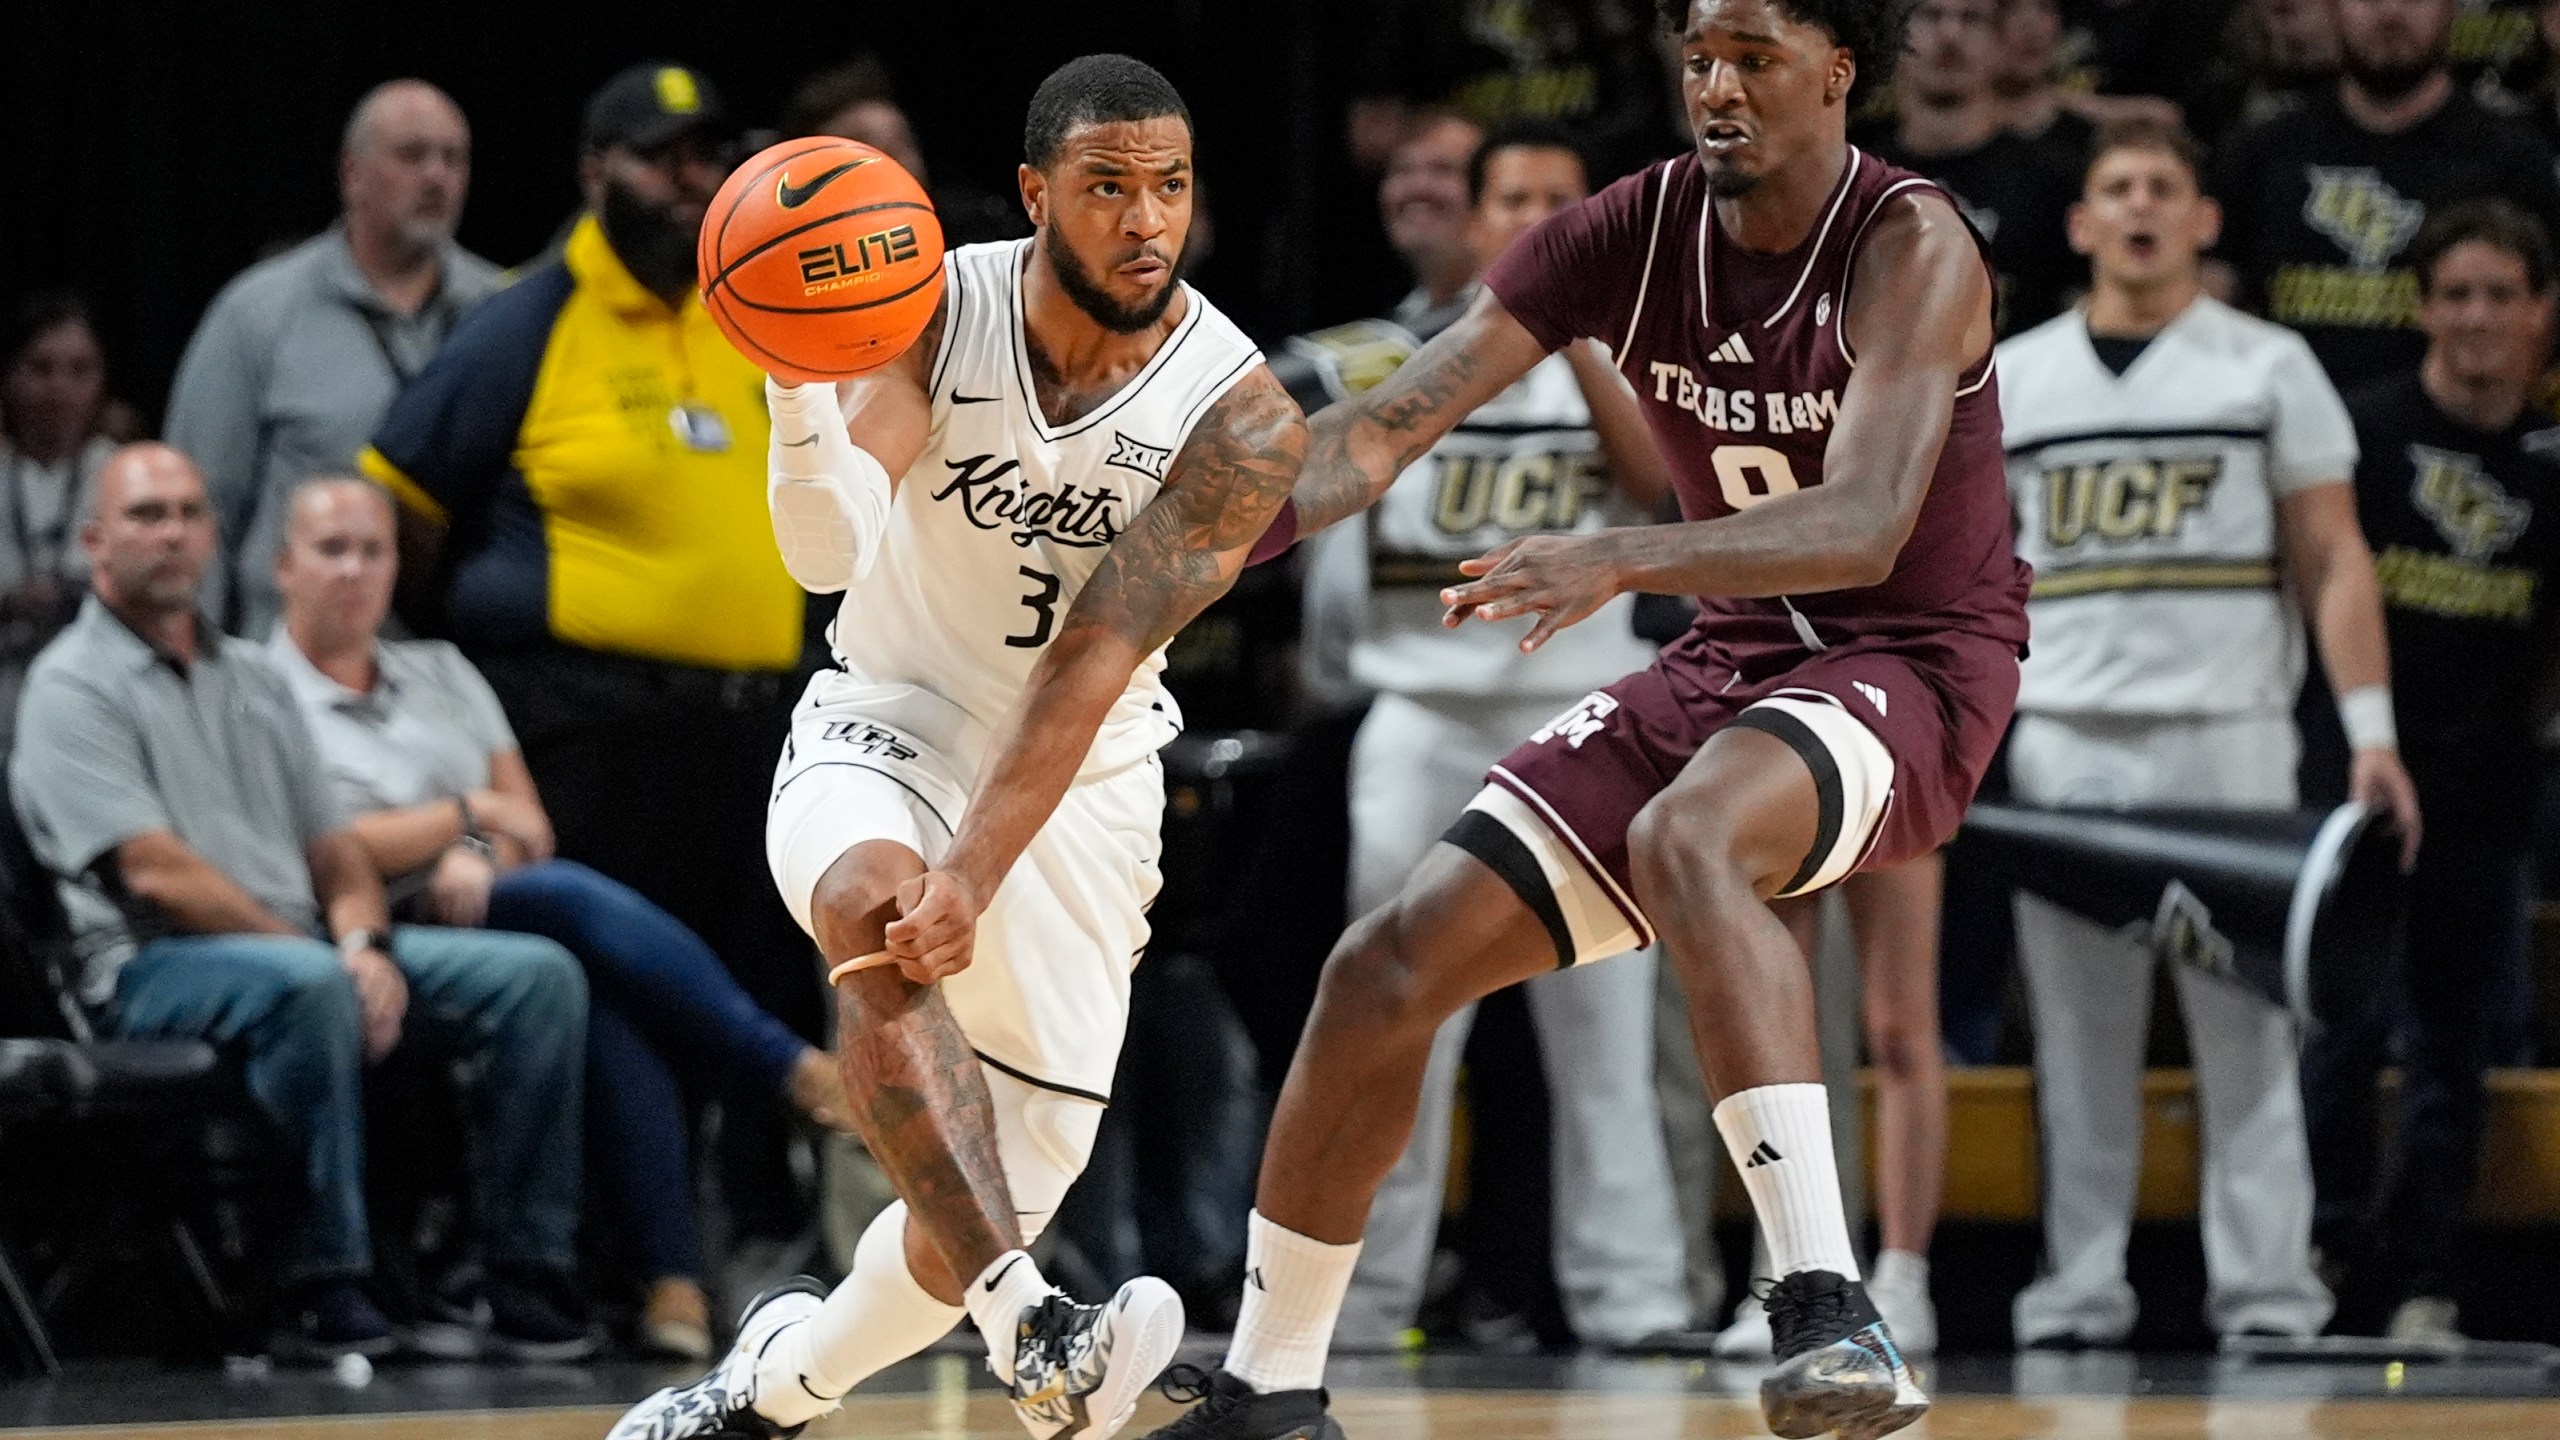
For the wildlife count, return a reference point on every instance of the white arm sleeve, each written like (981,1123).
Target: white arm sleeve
(828,496)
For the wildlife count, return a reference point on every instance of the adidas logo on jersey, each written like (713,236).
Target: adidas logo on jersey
(1874,694)
(1732,351)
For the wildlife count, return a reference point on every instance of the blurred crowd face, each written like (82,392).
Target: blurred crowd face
(54,390)
(152,535)
(1523,184)
(1762,90)
(2141,219)
(2023,50)
(1423,198)
(2390,47)
(338,562)
(651,205)
(1114,211)
(883,127)
(406,168)
(1954,50)
(2300,36)
(2483,318)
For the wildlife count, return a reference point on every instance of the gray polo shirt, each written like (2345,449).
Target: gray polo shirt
(116,740)
(424,732)
(291,368)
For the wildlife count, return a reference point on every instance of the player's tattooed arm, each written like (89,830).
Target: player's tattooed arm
(1178,555)
(1357,447)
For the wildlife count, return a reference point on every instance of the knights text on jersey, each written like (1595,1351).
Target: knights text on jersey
(2147,503)
(1004,516)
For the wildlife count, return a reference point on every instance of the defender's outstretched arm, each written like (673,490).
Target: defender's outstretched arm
(1357,447)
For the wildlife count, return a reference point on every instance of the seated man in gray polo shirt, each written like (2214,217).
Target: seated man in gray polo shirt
(166,778)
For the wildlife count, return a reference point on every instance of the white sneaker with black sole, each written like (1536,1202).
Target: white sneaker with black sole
(1079,1370)
(721,1405)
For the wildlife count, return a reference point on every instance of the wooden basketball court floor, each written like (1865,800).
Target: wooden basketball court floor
(1441,1398)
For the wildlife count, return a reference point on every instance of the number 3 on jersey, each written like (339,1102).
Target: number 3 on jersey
(1749,474)
(1043,602)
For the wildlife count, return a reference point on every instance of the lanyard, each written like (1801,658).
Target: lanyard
(44,561)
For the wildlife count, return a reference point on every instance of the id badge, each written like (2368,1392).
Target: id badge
(700,428)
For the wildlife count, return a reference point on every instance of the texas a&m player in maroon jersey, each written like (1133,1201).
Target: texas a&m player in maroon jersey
(1809,333)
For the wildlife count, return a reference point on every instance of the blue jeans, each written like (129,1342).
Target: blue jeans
(661,996)
(514,1007)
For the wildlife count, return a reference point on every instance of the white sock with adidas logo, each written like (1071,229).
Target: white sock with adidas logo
(1293,1288)
(1780,1139)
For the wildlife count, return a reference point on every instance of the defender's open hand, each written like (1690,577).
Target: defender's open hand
(1562,579)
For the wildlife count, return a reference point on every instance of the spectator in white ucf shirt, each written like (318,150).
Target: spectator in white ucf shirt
(2180,473)
(1564,451)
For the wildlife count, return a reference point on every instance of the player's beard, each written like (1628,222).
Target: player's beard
(1726,183)
(1096,302)
(654,247)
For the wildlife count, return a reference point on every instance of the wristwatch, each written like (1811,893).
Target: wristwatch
(473,838)
(357,941)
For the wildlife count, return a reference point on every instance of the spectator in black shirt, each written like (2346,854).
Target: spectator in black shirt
(858,100)
(1588,67)
(2045,82)
(2459,490)
(2320,203)
(1951,125)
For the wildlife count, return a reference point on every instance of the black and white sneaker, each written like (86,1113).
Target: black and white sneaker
(720,1405)
(1229,1409)
(1838,1368)
(1080,1369)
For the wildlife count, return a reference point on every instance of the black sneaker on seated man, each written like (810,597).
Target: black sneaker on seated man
(1838,1368)
(537,1316)
(329,1319)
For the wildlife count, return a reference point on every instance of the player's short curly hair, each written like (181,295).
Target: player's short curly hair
(1095,90)
(1875,31)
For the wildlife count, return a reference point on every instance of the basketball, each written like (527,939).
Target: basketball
(821,259)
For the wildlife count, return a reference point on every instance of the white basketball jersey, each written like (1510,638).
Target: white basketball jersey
(1000,521)
(2147,503)
(1524,463)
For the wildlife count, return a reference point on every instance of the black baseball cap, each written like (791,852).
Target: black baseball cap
(651,104)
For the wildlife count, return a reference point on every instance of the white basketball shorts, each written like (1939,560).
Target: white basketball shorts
(1045,1000)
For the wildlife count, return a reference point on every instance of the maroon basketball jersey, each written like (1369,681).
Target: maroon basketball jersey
(1740,363)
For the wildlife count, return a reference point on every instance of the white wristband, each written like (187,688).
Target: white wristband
(829,497)
(2365,711)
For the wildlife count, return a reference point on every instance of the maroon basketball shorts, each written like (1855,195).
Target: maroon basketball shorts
(1897,734)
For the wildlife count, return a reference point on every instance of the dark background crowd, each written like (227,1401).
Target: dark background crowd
(155,151)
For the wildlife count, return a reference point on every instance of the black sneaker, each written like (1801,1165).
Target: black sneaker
(1080,1370)
(537,1317)
(1229,1409)
(330,1319)
(1838,1368)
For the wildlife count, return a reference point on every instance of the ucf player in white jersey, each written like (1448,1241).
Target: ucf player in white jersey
(2180,473)
(1075,459)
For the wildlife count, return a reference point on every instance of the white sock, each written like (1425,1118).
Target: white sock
(1904,1268)
(996,1300)
(1293,1290)
(876,1318)
(1780,1139)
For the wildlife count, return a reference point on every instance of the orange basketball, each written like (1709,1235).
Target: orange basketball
(821,258)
